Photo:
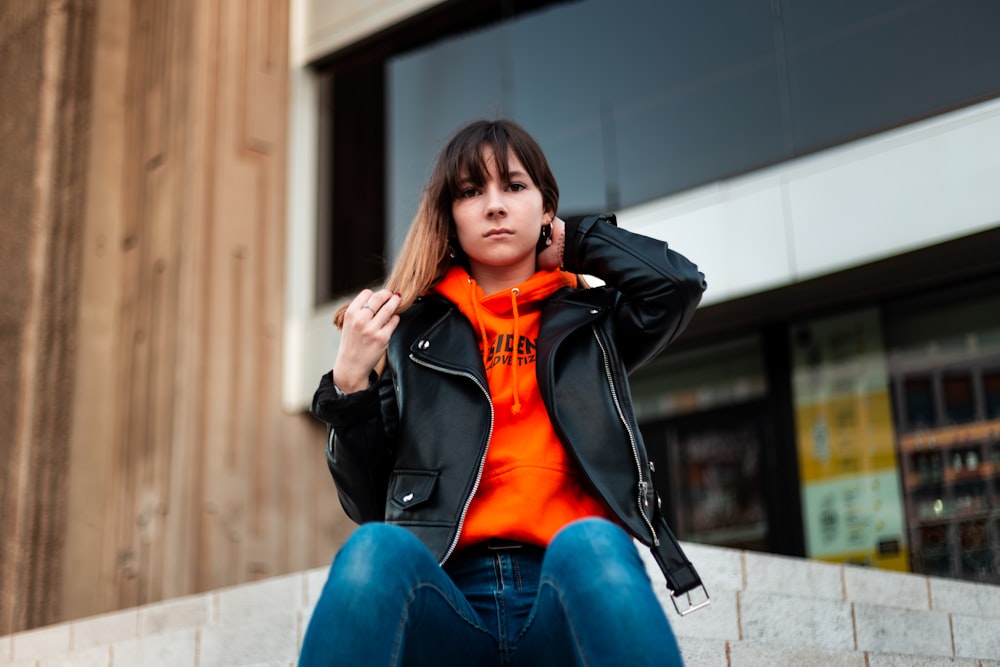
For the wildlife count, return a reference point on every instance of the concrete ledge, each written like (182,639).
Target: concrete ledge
(797,622)
(766,610)
(886,589)
(179,647)
(962,597)
(753,654)
(793,576)
(889,630)
(977,636)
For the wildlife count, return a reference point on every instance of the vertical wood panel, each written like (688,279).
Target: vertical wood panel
(211,483)
(154,457)
(45,47)
(20,77)
(89,561)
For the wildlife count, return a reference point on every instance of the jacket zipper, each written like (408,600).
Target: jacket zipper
(643,484)
(482,460)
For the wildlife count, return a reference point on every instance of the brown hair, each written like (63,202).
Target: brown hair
(424,258)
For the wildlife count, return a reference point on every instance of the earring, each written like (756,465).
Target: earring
(544,238)
(451,251)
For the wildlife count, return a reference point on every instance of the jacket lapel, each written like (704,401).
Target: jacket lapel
(437,335)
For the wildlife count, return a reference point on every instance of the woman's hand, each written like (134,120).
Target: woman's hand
(369,321)
(552,256)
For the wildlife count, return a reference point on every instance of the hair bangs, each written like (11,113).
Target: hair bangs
(469,156)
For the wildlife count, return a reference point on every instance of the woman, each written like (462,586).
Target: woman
(481,431)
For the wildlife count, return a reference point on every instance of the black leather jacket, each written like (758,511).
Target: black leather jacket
(410,449)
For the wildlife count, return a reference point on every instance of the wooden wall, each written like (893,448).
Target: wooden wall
(148,453)
(44,95)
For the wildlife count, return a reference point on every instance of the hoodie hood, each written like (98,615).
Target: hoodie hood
(507,325)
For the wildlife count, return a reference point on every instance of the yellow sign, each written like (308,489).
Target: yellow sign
(851,498)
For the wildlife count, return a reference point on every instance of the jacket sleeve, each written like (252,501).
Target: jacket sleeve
(360,429)
(658,288)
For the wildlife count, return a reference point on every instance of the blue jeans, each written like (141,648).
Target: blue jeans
(586,600)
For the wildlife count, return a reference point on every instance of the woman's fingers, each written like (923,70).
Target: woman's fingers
(373,310)
(552,256)
(369,321)
(381,305)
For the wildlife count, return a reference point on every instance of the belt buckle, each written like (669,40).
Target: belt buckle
(692,605)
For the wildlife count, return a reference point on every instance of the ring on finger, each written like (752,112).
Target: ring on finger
(368,306)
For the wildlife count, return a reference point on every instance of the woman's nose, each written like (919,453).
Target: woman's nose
(495,206)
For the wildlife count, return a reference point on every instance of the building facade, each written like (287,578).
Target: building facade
(831,169)
(188,189)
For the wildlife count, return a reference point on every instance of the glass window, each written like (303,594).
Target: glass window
(637,100)
(919,401)
(719,470)
(944,349)
(645,98)
(991,393)
(351,176)
(856,66)
(959,401)
(632,101)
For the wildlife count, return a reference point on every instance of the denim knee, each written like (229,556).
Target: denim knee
(375,554)
(595,549)
(591,537)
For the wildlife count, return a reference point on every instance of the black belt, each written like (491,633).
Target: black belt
(496,545)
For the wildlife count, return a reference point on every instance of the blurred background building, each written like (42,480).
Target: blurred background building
(190,188)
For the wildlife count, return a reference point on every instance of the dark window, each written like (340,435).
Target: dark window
(991,392)
(918,396)
(351,238)
(859,67)
(355,240)
(714,476)
(632,101)
(959,399)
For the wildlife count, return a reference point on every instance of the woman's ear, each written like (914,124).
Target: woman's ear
(545,236)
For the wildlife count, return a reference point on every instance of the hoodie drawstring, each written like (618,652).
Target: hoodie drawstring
(474,300)
(516,408)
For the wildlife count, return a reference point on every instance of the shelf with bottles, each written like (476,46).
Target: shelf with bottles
(926,438)
(946,416)
(970,461)
(968,498)
(941,511)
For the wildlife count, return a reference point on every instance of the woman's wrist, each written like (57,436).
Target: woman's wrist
(349,383)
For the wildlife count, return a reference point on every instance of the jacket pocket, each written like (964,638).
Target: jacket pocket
(411,488)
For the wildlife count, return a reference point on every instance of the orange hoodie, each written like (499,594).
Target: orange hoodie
(530,487)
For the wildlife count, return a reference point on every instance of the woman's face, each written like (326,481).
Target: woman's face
(498,223)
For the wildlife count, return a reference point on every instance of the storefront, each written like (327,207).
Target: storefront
(833,170)
(889,435)
(943,354)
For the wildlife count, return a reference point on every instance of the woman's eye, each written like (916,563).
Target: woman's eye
(517,187)
(467,193)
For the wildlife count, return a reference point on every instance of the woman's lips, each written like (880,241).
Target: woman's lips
(497,231)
